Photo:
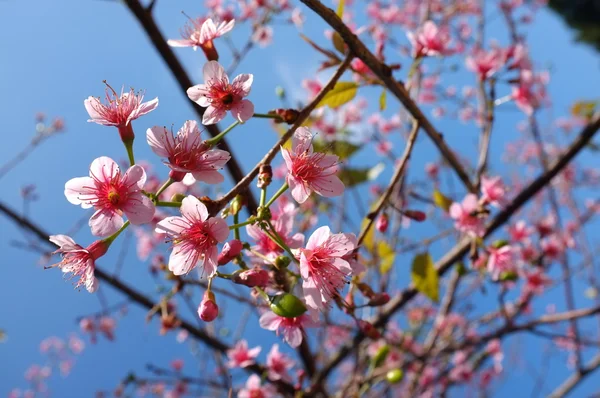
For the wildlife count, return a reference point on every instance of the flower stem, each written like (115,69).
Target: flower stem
(215,140)
(168,204)
(129,148)
(114,236)
(242,224)
(267,116)
(263,196)
(236,231)
(283,188)
(164,187)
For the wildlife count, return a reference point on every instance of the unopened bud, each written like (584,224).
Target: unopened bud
(236,204)
(287,305)
(394,376)
(416,215)
(382,223)
(230,251)
(365,290)
(265,176)
(208,309)
(178,197)
(255,277)
(288,116)
(282,261)
(380,356)
(368,329)
(379,299)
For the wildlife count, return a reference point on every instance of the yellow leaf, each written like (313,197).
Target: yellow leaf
(386,256)
(584,109)
(382,101)
(425,276)
(441,200)
(340,9)
(369,240)
(341,93)
(338,42)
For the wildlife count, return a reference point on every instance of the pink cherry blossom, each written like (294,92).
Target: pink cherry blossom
(79,261)
(278,364)
(107,325)
(194,236)
(500,261)
(240,356)
(309,171)
(519,232)
(263,36)
(219,96)
(282,219)
(486,63)
(119,110)
(493,191)
(254,389)
(199,33)
(188,153)
(429,40)
(324,271)
(111,195)
(465,216)
(291,328)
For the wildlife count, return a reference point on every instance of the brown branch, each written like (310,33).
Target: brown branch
(384,72)
(142,300)
(462,248)
(398,174)
(145,19)
(576,378)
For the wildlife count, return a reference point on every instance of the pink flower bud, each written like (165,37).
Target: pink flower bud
(379,299)
(230,251)
(416,215)
(368,329)
(252,278)
(382,223)
(208,309)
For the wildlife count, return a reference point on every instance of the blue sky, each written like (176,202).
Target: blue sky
(55,54)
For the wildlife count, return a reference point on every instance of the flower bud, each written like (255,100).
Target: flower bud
(178,197)
(255,277)
(415,215)
(236,204)
(265,176)
(288,116)
(394,376)
(230,251)
(500,243)
(208,309)
(282,261)
(365,290)
(379,299)
(287,305)
(380,355)
(382,223)
(368,329)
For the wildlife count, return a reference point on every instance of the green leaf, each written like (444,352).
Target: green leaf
(442,201)
(343,149)
(387,256)
(584,109)
(354,176)
(338,42)
(425,276)
(342,93)
(382,100)
(340,9)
